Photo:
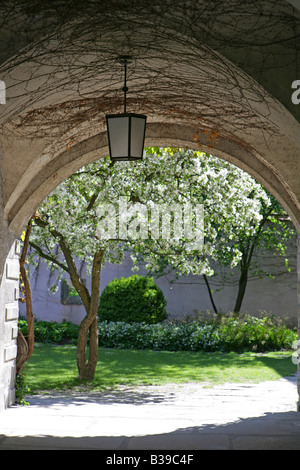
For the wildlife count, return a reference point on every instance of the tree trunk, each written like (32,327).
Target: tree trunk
(88,328)
(210,295)
(24,357)
(89,325)
(22,352)
(247,255)
(242,287)
(87,367)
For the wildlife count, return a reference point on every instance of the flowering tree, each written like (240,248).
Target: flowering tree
(230,199)
(65,230)
(240,217)
(271,233)
(78,221)
(176,208)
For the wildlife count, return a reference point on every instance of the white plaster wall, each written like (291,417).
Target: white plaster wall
(188,294)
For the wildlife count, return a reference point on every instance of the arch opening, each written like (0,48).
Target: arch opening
(165,141)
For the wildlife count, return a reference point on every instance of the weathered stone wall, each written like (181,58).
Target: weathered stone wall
(9,294)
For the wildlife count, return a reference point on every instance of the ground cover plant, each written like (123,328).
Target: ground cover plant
(214,334)
(233,335)
(52,332)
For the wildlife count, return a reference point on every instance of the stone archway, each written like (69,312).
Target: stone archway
(93,148)
(208,77)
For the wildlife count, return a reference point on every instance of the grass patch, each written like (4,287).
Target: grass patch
(54,367)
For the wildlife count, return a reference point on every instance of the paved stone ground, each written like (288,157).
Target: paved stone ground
(188,416)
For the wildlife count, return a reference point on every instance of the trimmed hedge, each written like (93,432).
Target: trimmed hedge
(234,335)
(229,334)
(132,299)
(52,332)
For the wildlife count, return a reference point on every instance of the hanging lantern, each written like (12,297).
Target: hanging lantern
(126,131)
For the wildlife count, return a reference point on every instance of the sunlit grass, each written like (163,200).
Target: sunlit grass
(54,367)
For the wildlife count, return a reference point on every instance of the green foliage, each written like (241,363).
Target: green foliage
(225,334)
(52,332)
(255,334)
(229,334)
(21,390)
(132,299)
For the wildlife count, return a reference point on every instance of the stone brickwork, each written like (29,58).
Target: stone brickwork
(9,294)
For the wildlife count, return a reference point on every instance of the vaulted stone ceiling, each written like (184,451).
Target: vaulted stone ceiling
(260,37)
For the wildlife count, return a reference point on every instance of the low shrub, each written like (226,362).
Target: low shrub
(52,332)
(231,334)
(132,299)
(219,334)
(256,334)
(22,390)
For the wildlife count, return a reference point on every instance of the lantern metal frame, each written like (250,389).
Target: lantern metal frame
(126,131)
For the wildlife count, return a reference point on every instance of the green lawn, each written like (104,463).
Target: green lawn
(54,367)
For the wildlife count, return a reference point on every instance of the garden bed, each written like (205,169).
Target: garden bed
(225,335)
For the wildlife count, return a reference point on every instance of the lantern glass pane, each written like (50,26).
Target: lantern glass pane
(137,136)
(118,128)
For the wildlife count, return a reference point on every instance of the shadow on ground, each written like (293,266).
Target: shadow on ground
(124,396)
(273,431)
